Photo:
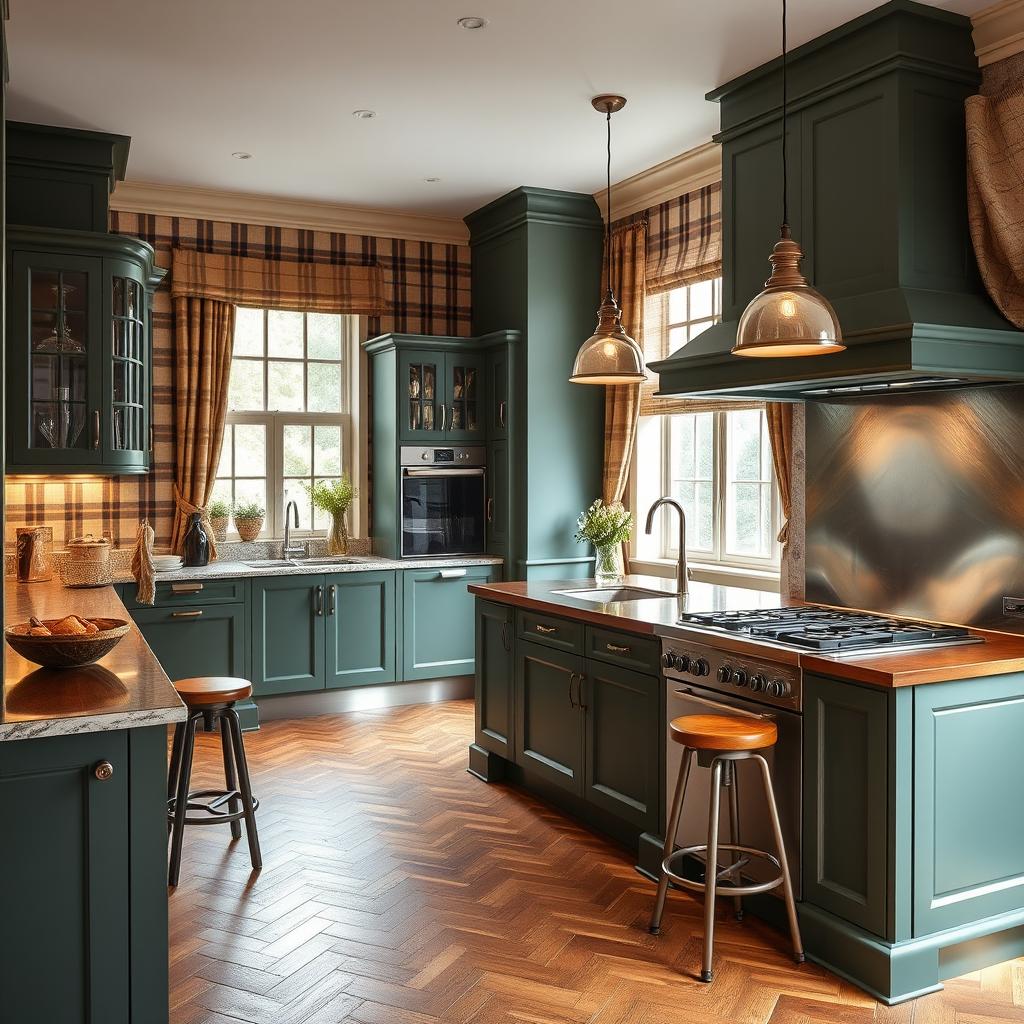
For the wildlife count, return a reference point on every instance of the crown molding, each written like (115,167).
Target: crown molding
(671,178)
(251,208)
(999,31)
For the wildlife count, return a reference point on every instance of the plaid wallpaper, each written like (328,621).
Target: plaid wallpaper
(427,285)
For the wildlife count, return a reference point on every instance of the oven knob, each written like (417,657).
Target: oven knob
(724,674)
(425,456)
(758,683)
(682,662)
(780,688)
(701,668)
(668,659)
(739,678)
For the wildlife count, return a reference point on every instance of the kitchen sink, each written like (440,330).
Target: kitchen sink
(281,563)
(611,595)
(268,563)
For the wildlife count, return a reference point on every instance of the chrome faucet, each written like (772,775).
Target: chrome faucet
(682,572)
(289,548)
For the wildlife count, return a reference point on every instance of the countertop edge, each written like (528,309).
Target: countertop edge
(80,725)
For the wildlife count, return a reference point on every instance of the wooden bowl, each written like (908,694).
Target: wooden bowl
(65,651)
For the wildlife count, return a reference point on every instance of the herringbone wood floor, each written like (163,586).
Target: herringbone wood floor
(398,889)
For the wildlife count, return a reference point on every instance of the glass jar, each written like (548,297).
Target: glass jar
(33,554)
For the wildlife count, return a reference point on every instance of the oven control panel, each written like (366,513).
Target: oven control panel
(470,455)
(761,680)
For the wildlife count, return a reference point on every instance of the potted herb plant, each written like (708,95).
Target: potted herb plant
(607,527)
(219,512)
(334,497)
(249,516)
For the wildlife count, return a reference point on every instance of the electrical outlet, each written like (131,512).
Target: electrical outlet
(1014,607)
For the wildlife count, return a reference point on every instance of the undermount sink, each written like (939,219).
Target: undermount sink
(281,563)
(268,563)
(612,595)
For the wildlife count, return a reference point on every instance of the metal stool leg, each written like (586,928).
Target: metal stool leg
(734,825)
(181,797)
(787,883)
(670,839)
(711,870)
(230,777)
(243,784)
(175,766)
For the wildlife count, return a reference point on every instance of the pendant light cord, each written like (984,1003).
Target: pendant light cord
(608,204)
(785,109)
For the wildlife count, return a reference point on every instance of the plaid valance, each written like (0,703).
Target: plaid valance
(279,284)
(684,239)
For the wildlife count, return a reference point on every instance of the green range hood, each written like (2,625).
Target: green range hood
(878,201)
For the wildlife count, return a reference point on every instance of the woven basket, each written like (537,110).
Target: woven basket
(249,529)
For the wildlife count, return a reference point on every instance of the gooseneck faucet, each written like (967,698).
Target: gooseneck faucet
(682,572)
(291,515)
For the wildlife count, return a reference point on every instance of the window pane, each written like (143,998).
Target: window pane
(224,469)
(294,491)
(324,387)
(682,446)
(323,335)
(705,445)
(321,519)
(744,530)
(691,466)
(245,391)
(250,449)
(704,517)
(676,339)
(252,490)
(327,451)
(699,328)
(744,445)
(298,450)
(284,334)
(222,490)
(702,297)
(284,386)
(677,306)
(248,331)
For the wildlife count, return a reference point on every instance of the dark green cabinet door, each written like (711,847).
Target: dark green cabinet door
(549,722)
(360,625)
(207,640)
(497,390)
(846,801)
(288,635)
(622,743)
(421,396)
(438,621)
(498,470)
(495,672)
(64,930)
(465,397)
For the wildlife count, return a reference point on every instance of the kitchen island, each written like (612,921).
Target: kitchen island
(912,861)
(83,776)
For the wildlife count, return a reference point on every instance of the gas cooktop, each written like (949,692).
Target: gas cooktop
(831,630)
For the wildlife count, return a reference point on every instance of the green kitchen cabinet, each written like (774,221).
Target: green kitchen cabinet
(196,639)
(495,679)
(360,625)
(288,638)
(499,475)
(499,389)
(84,927)
(438,620)
(549,719)
(442,394)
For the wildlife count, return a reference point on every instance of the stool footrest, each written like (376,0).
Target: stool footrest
(723,886)
(211,808)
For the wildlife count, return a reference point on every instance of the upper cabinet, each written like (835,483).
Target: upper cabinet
(78,352)
(442,395)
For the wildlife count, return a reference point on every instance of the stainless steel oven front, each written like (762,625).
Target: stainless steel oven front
(443,501)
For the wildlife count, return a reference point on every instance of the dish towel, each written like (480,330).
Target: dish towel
(142,564)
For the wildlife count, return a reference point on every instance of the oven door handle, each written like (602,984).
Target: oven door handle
(726,708)
(444,472)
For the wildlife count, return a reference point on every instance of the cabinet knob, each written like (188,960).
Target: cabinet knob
(103,771)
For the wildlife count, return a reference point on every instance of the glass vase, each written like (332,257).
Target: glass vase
(337,536)
(609,566)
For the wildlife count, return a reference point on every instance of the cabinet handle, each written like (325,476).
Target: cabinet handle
(501,414)
(319,600)
(617,649)
(103,771)
(331,594)
(442,417)
(546,630)
(580,679)
(490,510)
(452,574)
(505,642)
(193,614)
(96,428)
(572,679)
(186,588)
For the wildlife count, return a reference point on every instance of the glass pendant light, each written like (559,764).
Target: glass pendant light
(609,355)
(787,318)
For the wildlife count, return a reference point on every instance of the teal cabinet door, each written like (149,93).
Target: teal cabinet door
(495,674)
(196,640)
(465,398)
(64,930)
(288,635)
(438,621)
(968,829)
(498,470)
(549,717)
(498,392)
(621,770)
(360,624)
(421,396)
(846,801)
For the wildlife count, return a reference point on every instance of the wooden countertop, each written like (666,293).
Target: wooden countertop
(999,654)
(124,690)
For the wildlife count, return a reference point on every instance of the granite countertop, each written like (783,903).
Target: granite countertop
(124,690)
(1001,653)
(301,567)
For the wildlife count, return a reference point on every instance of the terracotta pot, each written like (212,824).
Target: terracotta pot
(249,529)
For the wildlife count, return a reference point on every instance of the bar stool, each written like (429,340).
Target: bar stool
(720,742)
(210,699)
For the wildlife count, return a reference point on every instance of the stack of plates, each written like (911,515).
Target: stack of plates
(167,563)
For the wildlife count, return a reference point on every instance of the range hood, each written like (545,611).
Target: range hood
(878,201)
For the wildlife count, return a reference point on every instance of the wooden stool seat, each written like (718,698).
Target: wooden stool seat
(205,691)
(724,732)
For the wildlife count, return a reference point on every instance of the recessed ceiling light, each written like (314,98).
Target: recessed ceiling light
(431,181)
(364,115)
(472,22)
(240,154)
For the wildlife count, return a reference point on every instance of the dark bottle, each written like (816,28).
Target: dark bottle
(196,546)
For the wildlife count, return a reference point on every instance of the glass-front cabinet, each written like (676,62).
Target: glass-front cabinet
(79,352)
(443,395)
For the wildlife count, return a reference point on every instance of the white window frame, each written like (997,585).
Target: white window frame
(354,445)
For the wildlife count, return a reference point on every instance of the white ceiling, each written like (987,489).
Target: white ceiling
(193,80)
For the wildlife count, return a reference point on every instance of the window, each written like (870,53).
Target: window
(717,463)
(289,414)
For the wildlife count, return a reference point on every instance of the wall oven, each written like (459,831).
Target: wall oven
(444,501)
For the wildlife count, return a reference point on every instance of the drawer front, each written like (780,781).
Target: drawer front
(196,641)
(627,650)
(562,634)
(189,593)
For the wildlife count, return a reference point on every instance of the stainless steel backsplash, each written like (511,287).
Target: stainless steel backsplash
(915,504)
